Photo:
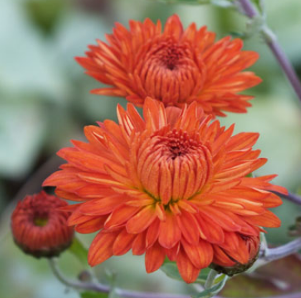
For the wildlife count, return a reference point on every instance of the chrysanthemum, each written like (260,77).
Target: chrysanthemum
(173,66)
(39,228)
(172,184)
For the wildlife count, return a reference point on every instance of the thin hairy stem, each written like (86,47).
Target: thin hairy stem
(290,197)
(97,287)
(268,255)
(210,279)
(271,40)
(272,254)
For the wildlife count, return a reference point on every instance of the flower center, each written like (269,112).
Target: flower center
(40,222)
(168,71)
(40,218)
(177,143)
(170,55)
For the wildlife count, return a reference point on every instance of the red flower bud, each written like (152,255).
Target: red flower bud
(39,228)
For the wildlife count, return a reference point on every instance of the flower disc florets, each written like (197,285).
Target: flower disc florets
(170,185)
(39,228)
(173,65)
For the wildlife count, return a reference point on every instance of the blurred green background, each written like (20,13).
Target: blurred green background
(45,102)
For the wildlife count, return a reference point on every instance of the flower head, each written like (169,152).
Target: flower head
(175,66)
(172,184)
(38,228)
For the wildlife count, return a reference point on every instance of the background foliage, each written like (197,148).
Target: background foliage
(45,102)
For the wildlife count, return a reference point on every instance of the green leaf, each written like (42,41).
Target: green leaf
(215,289)
(45,14)
(93,295)
(171,270)
(78,250)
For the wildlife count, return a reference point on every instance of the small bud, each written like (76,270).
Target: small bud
(252,244)
(39,228)
(85,276)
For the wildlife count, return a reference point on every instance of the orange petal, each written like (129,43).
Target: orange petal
(220,218)
(138,245)
(189,227)
(173,252)
(101,206)
(120,215)
(170,233)
(141,220)
(187,270)
(267,219)
(153,233)
(101,247)
(236,248)
(123,243)
(91,226)
(221,258)
(173,26)
(154,258)
(200,255)
(209,230)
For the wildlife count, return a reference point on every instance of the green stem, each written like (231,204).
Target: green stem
(210,280)
(271,40)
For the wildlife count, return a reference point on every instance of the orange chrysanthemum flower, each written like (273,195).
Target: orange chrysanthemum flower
(173,66)
(170,185)
(38,228)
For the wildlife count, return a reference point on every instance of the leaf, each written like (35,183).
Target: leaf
(79,251)
(45,14)
(93,295)
(215,289)
(22,131)
(171,270)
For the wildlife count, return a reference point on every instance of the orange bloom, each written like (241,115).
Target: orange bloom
(38,228)
(173,66)
(172,185)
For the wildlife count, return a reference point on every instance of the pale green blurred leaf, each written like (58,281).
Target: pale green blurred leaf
(34,68)
(22,132)
(79,250)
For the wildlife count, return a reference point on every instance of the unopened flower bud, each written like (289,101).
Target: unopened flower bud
(39,228)
(252,245)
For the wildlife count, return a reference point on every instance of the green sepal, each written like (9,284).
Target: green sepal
(215,289)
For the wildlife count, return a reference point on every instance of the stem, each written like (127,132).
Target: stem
(77,285)
(97,287)
(290,197)
(271,40)
(272,254)
(210,279)
(268,255)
